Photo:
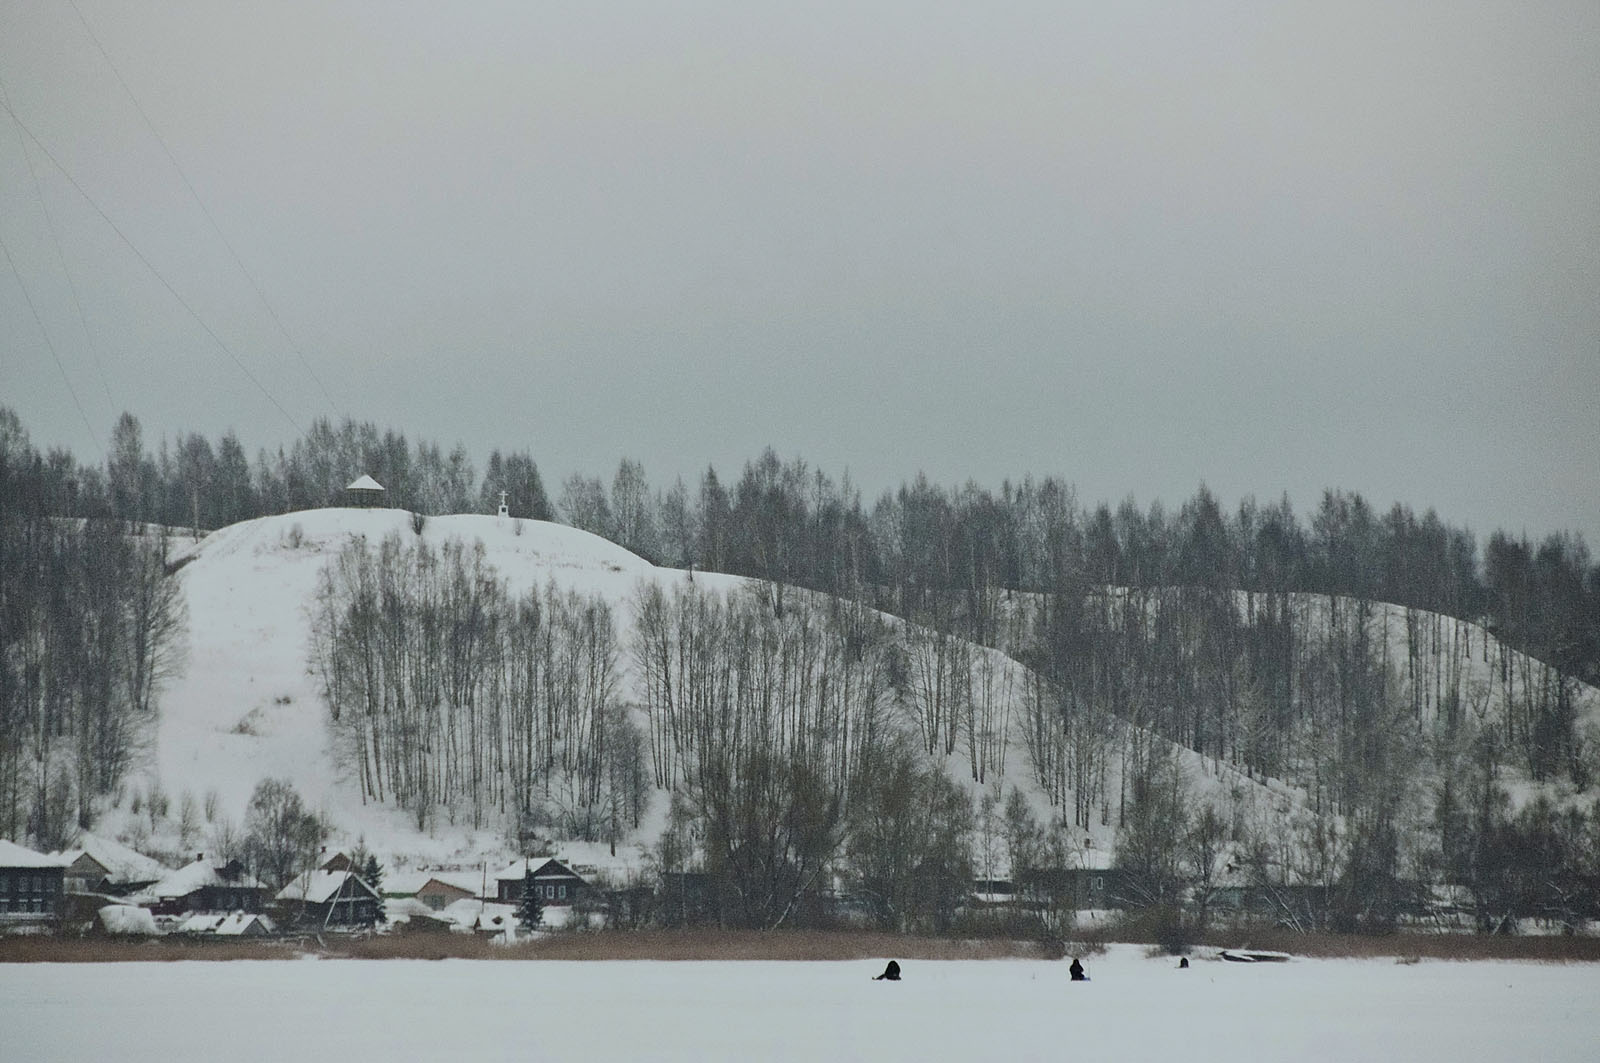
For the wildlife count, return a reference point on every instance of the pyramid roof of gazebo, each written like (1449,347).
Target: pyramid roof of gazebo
(365,483)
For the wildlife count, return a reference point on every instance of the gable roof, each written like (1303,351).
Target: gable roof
(410,883)
(121,863)
(196,875)
(319,887)
(478,915)
(364,483)
(549,868)
(14,855)
(232,924)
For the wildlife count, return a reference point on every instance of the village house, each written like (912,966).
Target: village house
(100,866)
(407,915)
(229,925)
(485,918)
(435,889)
(556,882)
(30,886)
(328,899)
(1090,883)
(201,886)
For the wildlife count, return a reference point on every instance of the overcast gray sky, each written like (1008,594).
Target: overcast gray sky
(1273,246)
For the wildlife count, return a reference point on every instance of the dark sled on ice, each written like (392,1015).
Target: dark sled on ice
(1254,956)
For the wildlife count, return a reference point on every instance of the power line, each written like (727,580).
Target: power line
(61,257)
(203,208)
(50,344)
(218,340)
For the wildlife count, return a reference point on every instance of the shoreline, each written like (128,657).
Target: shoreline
(778,946)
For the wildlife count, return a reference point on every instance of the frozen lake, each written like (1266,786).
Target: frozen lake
(1133,1009)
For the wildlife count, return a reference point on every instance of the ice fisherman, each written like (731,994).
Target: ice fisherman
(890,973)
(1076,971)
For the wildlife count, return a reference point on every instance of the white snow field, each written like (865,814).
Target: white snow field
(1134,1008)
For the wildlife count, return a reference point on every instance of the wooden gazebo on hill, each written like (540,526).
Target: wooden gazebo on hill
(365,492)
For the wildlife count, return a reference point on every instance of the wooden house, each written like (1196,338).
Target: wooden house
(30,886)
(227,925)
(202,886)
(435,889)
(480,917)
(556,882)
(100,866)
(438,894)
(407,915)
(1090,883)
(85,874)
(328,899)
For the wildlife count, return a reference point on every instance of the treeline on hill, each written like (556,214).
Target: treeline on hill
(1338,655)
(90,620)
(772,731)
(804,738)
(923,551)
(449,693)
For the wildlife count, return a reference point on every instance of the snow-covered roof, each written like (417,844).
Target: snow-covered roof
(122,864)
(399,909)
(319,887)
(14,855)
(128,919)
(476,914)
(193,876)
(410,883)
(518,869)
(364,483)
(230,925)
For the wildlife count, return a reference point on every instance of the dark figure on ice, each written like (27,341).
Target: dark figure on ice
(1076,970)
(890,973)
(1183,963)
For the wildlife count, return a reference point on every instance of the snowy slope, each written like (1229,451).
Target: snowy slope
(247,707)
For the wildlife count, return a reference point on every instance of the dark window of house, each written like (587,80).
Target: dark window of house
(563,893)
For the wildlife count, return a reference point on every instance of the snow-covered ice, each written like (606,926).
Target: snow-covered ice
(1135,1008)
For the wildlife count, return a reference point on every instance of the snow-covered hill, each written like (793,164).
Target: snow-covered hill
(247,705)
